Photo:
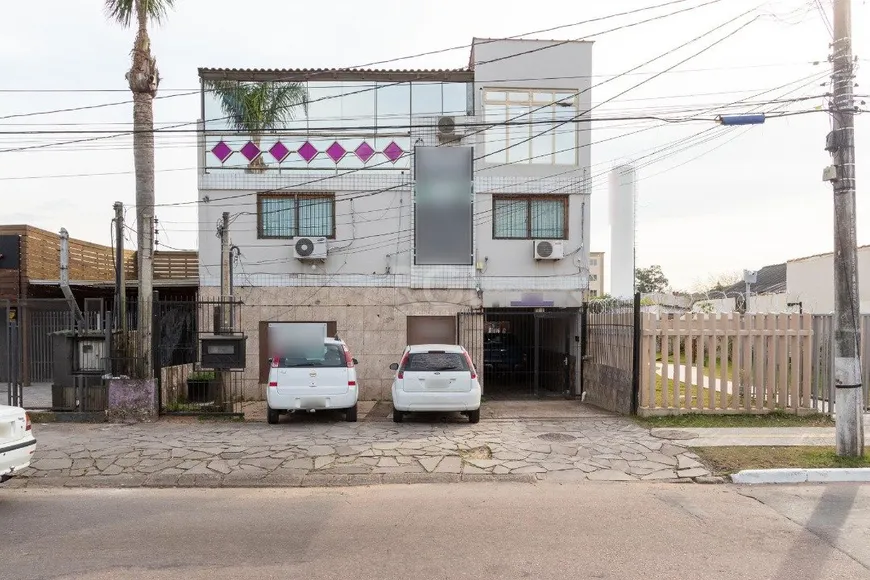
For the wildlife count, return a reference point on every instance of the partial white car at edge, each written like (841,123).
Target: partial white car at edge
(436,378)
(17,442)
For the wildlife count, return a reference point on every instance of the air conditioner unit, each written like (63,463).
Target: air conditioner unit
(446,131)
(309,248)
(549,249)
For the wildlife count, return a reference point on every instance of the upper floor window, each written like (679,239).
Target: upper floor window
(593,277)
(294,215)
(534,136)
(593,261)
(534,217)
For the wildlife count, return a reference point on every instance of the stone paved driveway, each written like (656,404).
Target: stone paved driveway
(311,452)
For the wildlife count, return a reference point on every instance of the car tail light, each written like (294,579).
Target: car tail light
(402,364)
(27,424)
(275,362)
(273,383)
(351,383)
(470,365)
(348,358)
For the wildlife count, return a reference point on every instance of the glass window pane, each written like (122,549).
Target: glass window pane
(518,97)
(394,105)
(566,136)
(278,217)
(541,98)
(548,218)
(542,145)
(315,216)
(426,99)
(356,105)
(455,98)
(495,136)
(324,105)
(519,130)
(511,218)
(495,97)
(567,100)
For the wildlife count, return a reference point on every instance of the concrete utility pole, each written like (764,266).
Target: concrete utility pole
(226,273)
(849,399)
(120,275)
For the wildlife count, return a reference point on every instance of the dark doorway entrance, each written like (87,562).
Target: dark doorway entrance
(529,353)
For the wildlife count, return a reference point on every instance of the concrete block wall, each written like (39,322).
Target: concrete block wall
(372,321)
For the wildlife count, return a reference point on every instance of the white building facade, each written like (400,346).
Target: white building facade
(342,177)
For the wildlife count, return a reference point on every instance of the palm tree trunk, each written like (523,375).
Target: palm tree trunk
(143,79)
(258,165)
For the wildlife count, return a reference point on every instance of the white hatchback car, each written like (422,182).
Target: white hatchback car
(436,378)
(319,381)
(17,442)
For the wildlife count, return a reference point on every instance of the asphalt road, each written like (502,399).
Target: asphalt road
(487,531)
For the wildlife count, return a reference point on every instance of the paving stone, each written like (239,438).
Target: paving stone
(694,472)
(450,464)
(299,464)
(500,470)
(609,475)
(671,450)
(552,466)
(510,456)
(320,450)
(321,462)
(262,462)
(52,464)
(662,474)
(529,469)
(430,463)
(472,469)
(388,462)
(660,458)
(387,445)
(683,462)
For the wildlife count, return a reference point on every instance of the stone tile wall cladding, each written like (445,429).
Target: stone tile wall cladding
(372,321)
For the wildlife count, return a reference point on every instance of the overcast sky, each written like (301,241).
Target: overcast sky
(745,198)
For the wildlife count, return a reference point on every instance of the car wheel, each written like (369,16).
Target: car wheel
(398,416)
(350,415)
(474,416)
(272,415)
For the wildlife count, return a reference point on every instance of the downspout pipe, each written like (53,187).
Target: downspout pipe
(64,280)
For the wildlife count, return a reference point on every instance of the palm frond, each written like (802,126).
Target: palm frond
(124,11)
(259,107)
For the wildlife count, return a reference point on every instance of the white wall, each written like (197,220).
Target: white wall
(811,281)
(622,209)
(374,232)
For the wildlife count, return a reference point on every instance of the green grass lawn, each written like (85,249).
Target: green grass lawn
(775,419)
(728,460)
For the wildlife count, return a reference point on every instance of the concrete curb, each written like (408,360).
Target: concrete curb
(274,481)
(786,476)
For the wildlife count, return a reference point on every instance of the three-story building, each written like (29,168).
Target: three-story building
(335,219)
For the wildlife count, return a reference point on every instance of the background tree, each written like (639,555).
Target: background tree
(650,280)
(257,108)
(143,79)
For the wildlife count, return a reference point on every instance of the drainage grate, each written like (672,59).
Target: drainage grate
(556,437)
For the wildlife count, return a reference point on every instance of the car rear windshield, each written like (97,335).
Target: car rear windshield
(330,356)
(436,361)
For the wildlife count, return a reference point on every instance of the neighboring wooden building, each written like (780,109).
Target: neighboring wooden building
(32,290)
(90,266)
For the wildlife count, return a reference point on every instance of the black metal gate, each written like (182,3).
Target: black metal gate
(469,334)
(531,353)
(610,352)
(184,387)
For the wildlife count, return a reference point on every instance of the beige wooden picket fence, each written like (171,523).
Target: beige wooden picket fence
(726,363)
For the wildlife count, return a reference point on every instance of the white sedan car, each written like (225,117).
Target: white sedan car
(436,378)
(17,443)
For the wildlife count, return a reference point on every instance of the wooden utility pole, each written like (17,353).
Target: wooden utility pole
(120,274)
(849,399)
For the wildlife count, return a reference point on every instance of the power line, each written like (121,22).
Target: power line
(630,25)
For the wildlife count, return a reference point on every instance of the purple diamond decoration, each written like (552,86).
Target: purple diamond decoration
(250,151)
(307,151)
(393,151)
(364,152)
(222,151)
(336,151)
(279,151)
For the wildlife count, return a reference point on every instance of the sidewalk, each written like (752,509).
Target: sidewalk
(310,452)
(751,436)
